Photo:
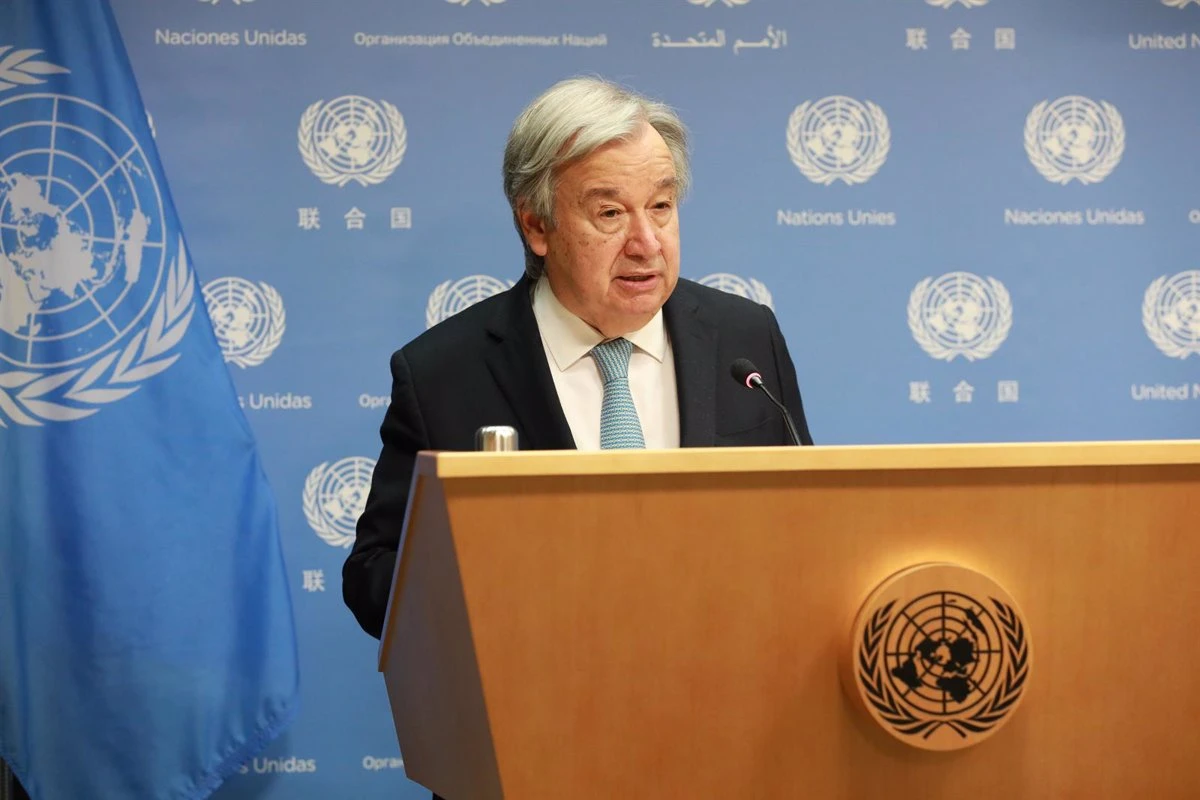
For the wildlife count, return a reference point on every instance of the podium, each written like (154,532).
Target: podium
(671,624)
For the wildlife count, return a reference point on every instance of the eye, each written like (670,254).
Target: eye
(610,213)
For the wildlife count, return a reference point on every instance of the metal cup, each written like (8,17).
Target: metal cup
(496,438)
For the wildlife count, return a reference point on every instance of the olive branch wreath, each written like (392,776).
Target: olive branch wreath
(387,165)
(31,398)
(860,174)
(1051,171)
(989,345)
(872,676)
(1154,327)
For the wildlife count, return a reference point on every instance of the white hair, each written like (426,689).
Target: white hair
(568,121)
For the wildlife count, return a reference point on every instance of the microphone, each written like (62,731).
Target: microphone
(745,373)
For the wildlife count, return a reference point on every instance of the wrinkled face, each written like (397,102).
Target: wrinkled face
(612,256)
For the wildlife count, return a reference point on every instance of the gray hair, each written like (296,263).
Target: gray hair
(568,121)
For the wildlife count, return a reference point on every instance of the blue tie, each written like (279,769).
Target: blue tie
(619,424)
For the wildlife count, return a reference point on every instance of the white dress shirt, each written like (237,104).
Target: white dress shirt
(568,340)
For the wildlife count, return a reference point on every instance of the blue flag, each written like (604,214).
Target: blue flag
(147,647)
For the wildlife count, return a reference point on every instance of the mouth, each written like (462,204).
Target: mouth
(637,279)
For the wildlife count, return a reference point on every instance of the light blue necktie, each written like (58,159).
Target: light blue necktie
(619,424)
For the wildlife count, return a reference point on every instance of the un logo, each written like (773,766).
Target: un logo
(1074,138)
(1180,3)
(352,138)
(939,656)
(948,3)
(735,284)
(334,498)
(959,314)
(95,290)
(730,3)
(451,297)
(838,138)
(1171,314)
(249,320)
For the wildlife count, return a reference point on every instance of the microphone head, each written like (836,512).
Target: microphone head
(745,373)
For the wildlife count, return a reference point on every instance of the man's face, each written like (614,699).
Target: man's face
(612,257)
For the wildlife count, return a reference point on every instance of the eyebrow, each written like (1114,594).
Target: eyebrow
(612,193)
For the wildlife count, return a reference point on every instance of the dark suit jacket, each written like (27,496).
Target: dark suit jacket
(487,366)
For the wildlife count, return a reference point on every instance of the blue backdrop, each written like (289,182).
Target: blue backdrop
(977,220)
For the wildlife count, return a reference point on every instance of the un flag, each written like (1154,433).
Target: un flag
(146,640)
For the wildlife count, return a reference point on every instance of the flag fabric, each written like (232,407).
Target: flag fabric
(147,646)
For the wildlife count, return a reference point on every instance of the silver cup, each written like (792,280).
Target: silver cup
(496,438)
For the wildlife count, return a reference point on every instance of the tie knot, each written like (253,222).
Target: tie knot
(612,357)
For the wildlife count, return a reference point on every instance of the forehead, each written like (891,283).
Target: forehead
(641,160)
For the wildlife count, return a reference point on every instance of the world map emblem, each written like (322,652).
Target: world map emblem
(335,496)
(450,297)
(838,138)
(95,289)
(248,319)
(1180,3)
(352,138)
(940,656)
(749,288)
(1171,313)
(1074,138)
(959,314)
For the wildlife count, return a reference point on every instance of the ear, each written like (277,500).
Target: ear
(534,230)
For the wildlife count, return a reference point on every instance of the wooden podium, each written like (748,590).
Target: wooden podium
(669,624)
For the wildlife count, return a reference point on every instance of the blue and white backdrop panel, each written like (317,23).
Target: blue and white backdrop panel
(977,220)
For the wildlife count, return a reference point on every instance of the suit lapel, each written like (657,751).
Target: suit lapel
(517,361)
(694,342)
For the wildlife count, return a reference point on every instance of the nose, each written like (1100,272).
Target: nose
(642,240)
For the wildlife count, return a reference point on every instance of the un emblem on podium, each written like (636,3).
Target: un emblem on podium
(939,657)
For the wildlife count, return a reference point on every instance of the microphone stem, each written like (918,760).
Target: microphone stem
(787,418)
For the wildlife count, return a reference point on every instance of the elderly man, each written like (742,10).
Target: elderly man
(600,344)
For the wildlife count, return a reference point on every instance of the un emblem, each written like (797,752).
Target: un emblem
(95,290)
(334,498)
(939,657)
(1180,3)
(352,138)
(838,138)
(959,314)
(1171,314)
(948,3)
(451,297)
(730,3)
(1074,138)
(735,284)
(249,320)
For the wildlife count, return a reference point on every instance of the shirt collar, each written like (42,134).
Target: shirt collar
(568,338)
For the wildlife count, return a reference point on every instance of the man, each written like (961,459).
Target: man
(600,344)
